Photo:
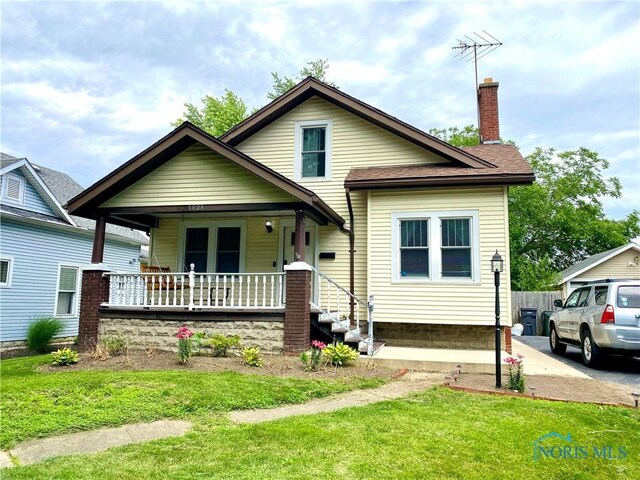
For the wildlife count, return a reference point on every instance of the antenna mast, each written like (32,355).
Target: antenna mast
(473,49)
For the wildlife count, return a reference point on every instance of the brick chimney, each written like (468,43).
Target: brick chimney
(488,120)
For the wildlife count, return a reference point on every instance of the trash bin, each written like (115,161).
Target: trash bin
(546,315)
(528,319)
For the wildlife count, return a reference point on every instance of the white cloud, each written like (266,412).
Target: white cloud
(354,72)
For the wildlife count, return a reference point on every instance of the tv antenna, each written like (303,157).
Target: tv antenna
(473,49)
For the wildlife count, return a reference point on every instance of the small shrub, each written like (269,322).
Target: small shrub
(311,359)
(221,343)
(339,354)
(40,333)
(185,344)
(198,340)
(115,345)
(252,356)
(516,373)
(64,357)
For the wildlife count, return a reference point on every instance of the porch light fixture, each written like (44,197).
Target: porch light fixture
(269,226)
(497,267)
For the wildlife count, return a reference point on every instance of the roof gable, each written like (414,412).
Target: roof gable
(595,260)
(310,87)
(41,188)
(186,135)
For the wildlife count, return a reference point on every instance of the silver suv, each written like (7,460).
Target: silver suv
(599,318)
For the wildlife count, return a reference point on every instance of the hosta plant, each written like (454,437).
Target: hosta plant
(64,357)
(339,354)
(252,356)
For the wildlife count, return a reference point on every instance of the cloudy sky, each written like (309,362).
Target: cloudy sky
(87,85)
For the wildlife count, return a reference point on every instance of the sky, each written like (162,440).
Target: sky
(88,85)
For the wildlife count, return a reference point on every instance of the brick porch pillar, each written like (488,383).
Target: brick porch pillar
(507,340)
(297,320)
(95,290)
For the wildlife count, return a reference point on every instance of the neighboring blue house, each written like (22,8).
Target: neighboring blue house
(43,249)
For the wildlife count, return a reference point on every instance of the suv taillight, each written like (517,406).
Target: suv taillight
(607,315)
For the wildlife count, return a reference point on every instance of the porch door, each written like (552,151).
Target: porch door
(289,242)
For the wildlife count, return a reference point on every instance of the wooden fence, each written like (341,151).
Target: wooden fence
(541,301)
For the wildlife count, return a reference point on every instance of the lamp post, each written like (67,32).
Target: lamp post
(497,266)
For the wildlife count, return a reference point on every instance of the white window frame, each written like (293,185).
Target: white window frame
(297,166)
(212,250)
(435,246)
(76,303)
(8,259)
(5,186)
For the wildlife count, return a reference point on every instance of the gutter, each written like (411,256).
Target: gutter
(352,252)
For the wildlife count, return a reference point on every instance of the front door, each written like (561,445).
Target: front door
(289,243)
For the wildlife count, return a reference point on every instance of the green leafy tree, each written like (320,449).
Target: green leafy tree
(559,220)
(315,68)
(217,115)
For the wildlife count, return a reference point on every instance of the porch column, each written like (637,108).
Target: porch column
(297,313)
(300,237)
(98,240)
(95,290)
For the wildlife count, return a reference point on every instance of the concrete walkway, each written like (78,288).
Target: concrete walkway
(34,451)
(472,361)
(410,383)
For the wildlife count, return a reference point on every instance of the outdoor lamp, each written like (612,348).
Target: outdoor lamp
(497,264)
(497,267)
(269,226)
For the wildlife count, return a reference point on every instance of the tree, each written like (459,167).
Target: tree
(219,114)
(315,68)
(559,220)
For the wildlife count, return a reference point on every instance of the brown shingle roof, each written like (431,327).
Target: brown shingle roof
(510,169)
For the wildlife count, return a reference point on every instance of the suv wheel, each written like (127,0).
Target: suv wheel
(554,342)
(590,351)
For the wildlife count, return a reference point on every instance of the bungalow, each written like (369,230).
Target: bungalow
(43,249)
(291,225)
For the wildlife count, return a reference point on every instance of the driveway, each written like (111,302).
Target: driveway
(614,369)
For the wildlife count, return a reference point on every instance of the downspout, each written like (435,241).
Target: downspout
(352,253)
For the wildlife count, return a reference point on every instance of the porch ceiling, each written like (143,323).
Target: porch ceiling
(90,202)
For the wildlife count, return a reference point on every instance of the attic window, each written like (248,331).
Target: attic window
(313,150)
(13,188)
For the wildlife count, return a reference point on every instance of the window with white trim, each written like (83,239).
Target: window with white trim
(6,269)
(67,296)
(313,150)
(13,188)
(435,246)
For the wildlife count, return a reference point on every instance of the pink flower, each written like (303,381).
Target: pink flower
(514,361)
(184,332)
(318,345)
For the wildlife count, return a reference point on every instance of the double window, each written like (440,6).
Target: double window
(67,296)
(213,248)
(435,246)
(313,150)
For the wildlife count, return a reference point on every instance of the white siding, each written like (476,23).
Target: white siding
(37,252)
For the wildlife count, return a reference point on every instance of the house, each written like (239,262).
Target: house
(620,262)
(294,218)
(43,249)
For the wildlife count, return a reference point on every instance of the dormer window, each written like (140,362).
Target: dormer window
(13,188)
(313,150)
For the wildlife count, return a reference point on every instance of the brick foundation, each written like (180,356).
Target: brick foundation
(95,290)
(297,323)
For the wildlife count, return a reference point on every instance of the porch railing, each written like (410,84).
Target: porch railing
(337,303)
(195,290)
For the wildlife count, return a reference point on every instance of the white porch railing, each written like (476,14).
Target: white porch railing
(196,290)
(335,302)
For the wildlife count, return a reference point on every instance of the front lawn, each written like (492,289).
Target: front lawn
(41,404)
(439,434)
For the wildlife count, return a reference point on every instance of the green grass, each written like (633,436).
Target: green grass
(439,434)
(35,404)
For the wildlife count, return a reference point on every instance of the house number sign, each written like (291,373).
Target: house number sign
(195,208)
